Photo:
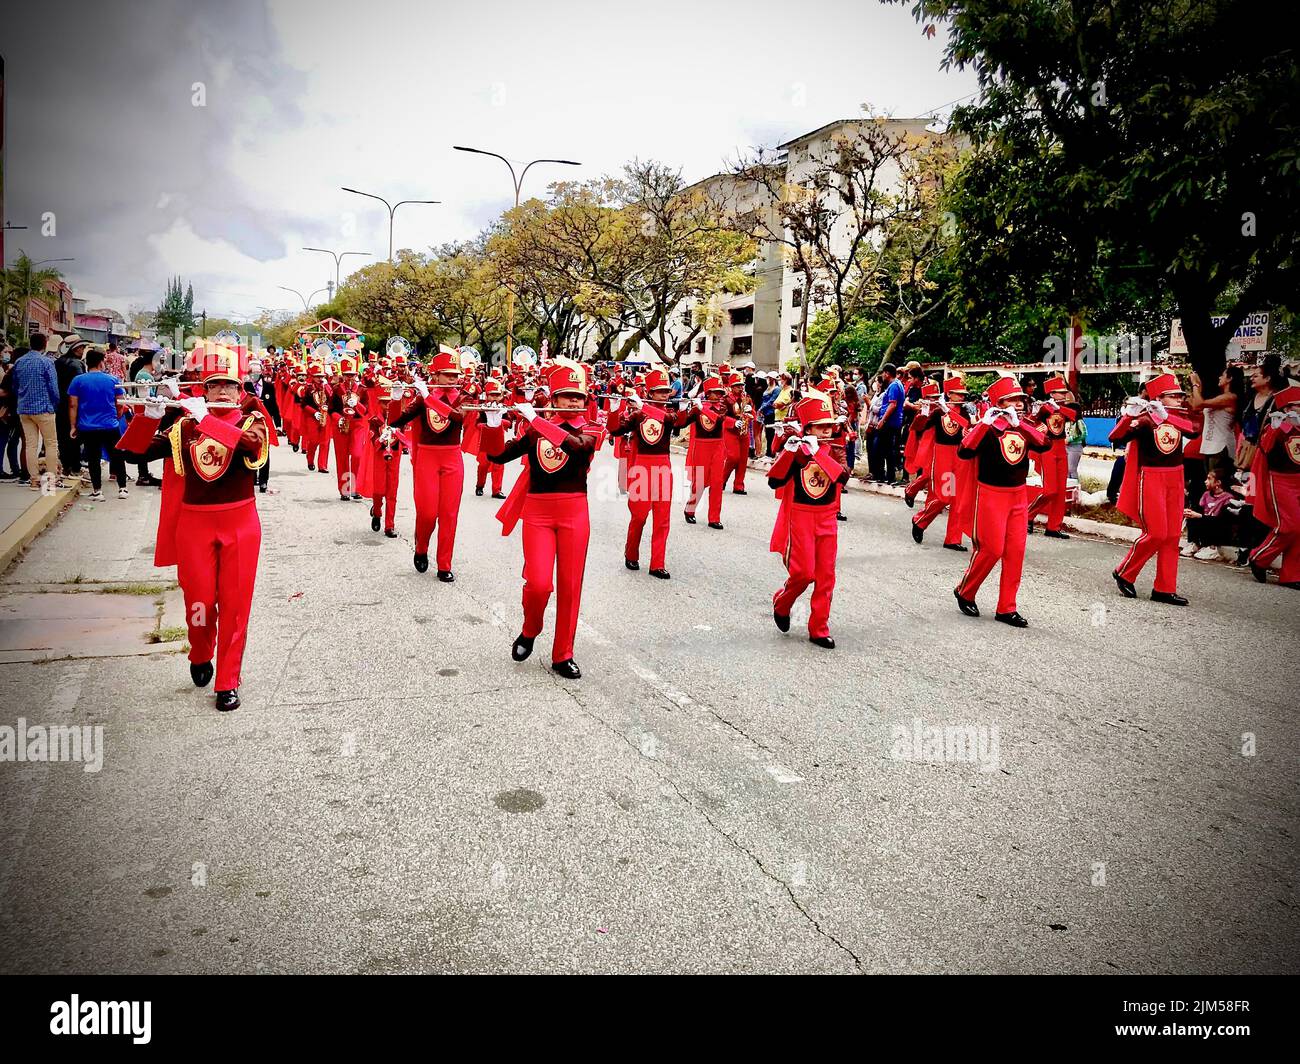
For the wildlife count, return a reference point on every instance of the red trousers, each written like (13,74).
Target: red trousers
(998,532)
(556,531)
(216,566)
(1161,496)
(705,471)
(1284,493)
(347,458)
(1055,468)
(918,485)
(315,441)
(439,480)
(650,492)
(736,459)
(385,474)
(292,432)
(810,559)
(498,471)
(940,482)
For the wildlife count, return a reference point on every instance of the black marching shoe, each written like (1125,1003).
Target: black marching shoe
(956,546)
(967,606)
(690,518)
(311,467)
(345,497)
(498,495)
(227,700)
(357,496)
(909,500)
(1258,571)
(421,563)
(1293,584)
(632,564)
(782,620)
(1058,534)
(1168,598)
(716,524)
(295,448)
(522,648)
(1013,618)
(661,574)
(1125,587)
(567,668)
(918,533)
(201,674)
(262,488)
(374,523)
(479,490)
(840,517)
(391,533)
(739,491)
(446,576)
(822,641)
(1029,531)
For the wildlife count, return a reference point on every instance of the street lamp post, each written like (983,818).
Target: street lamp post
(305,305)
(392,209)
(339,257)
(518,181)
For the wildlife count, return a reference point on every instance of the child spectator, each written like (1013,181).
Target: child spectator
(1211,524)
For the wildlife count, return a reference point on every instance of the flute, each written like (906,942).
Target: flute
(176,403)
(507,409)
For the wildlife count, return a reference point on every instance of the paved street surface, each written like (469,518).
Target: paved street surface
(395,795)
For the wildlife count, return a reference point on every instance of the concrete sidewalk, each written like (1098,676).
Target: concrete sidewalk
(25,514)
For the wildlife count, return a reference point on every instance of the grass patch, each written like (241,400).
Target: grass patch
(78,579)
(133,589)
(1105,513)
(1092,484)
(169,634)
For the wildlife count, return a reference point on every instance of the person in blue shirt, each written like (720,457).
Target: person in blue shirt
(884,443)
(92,413)
(37,384)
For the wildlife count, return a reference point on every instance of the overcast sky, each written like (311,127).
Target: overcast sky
(302,98)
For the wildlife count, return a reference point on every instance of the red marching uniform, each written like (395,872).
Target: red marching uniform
(650,474)
(1052,417)
(916,452)
(705,458)
(806,533)
(381,463)
(735,437)
(347,423)
(315,420)
(211,532)
(551,497)
(943,471)
(438,467)
(1152,492)
(483,440)
(996,513)
(1276,475)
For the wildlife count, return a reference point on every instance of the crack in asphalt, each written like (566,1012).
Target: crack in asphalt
(736,843)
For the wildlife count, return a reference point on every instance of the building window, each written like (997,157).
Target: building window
(686,318)
(742,315)
(742,345)
(794,334)
(796,297)
(699,346)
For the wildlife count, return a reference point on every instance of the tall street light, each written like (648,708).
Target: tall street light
(392,209)
(305,306)
(518,183)
(338,257)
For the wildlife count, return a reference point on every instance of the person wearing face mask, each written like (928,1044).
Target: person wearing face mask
(1152,492)
(258,385)
(996,512)
(808,481)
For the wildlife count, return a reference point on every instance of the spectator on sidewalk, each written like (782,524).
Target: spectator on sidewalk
(1076,435)
(884,451)
(1219,426)
(11,429)
(1211,523)
(68,366)
(145,369)
(93,406)
(115,362)
(38,401)
(767,408)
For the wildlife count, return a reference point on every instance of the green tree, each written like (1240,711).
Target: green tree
(1121,142)
(23,285)
(176,312)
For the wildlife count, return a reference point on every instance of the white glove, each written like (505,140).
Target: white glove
(942,404)
(614,403)
(698,403)
(1134,408)
(991,415)
(493,418)
(529,393)
(196,406)
(925,407)
(635,402)
(352,401)
(421,388)
(398,391)
(1158,412)
(1050,405)
(1013,416)
(1294,417)
(793,443)
(1276,418)
(155,408)
(814,444)
(526,411)
(170,387)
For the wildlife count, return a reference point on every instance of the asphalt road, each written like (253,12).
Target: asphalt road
(395,795)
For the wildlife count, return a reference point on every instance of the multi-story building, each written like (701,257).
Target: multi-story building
(57,318)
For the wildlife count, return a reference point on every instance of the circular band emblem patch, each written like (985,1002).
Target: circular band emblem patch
(550,457)
(1056,424)
(1013,447)
(1167,438)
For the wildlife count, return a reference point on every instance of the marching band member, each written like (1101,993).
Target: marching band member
(489,439)
(381,464)
(649,424)
(315,430)
(999,443)
(1276,474)
(916,452)
(944,426)
(346,421)
(212,533)
(735,438)
(808,480)
(295,385)
(436,462)
(1051,417)
(1152,492)
(704,455)
(551,497)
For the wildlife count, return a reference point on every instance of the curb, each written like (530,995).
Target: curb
(31,523)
